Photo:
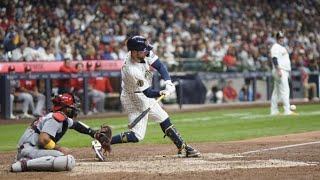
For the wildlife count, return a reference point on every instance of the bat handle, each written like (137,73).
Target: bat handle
(129,126)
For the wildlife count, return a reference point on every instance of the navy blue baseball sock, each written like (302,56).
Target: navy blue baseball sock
(124,138)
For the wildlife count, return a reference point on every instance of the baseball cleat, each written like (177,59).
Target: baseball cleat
(187,151)
(19,166)
(96,146)
(293,114)
(276,114)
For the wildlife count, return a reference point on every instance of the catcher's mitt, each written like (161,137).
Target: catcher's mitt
(104,136)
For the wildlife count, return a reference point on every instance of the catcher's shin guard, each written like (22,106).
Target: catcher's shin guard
(184,150)
(47,163)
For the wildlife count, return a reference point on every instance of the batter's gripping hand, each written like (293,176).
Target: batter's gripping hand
(165,92)
(170,86)
(104,136)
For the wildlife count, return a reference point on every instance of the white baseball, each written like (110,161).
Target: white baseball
(293,107)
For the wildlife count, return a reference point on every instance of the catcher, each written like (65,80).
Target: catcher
(38,148)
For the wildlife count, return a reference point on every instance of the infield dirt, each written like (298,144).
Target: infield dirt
(230,160)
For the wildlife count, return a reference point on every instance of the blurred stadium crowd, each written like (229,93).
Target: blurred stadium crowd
(224,35)
(220,36)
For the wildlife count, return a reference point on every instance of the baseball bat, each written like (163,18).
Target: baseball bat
(135,121)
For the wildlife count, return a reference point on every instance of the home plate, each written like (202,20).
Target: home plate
(179,165)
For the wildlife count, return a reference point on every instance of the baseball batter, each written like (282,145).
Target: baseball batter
(137,95)
(280,72)
(38,149)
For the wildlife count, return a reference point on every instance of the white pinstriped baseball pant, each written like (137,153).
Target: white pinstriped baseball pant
(135,104)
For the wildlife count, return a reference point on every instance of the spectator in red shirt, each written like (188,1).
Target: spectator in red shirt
(230,60)
(95,97)
(30,87)
(229,92)
(100,85)
(64,85)
(77,83)
(307,86)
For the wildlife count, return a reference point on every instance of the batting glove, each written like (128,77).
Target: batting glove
(169,86)
(165,92)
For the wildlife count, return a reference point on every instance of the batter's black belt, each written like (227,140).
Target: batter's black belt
(137,92)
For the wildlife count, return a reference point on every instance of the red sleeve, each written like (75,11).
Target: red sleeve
(108,85)
(92,81)
(226,92)
(76,83)
(23,83)
(234,94)
(34,84)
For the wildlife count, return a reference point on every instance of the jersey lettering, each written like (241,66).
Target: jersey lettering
(140,83)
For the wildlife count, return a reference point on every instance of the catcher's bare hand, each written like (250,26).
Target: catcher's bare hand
(104,136)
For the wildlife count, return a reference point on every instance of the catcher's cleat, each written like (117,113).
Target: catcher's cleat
(19,166)
(187,151)
(96,146)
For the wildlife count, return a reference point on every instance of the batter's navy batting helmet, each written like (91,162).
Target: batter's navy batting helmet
(279,35)
(138,43)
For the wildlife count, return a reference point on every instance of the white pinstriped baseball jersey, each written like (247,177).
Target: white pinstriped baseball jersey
(281,89)
(282,56)
(136,77)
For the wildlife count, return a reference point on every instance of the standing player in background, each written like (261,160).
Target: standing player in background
(101,85)
(38,148)
(30,86)
(137,95)
(13,86)
(20,94)
(64,85)
(229,93)
(280,72)
(94,95)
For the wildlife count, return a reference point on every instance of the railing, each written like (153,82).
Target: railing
(5,86)
(176,76)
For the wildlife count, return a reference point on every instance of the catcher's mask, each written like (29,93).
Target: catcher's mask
(67,101)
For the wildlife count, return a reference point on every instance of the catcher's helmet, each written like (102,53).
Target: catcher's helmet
(67,100)
(138,43)
(279,35)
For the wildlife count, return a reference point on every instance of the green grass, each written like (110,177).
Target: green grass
(214,126)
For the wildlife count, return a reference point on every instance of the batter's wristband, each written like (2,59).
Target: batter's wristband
(51,144)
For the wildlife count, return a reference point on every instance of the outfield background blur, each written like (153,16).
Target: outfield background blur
(207,126)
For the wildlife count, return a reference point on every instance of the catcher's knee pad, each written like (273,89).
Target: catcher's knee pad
(64,163)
